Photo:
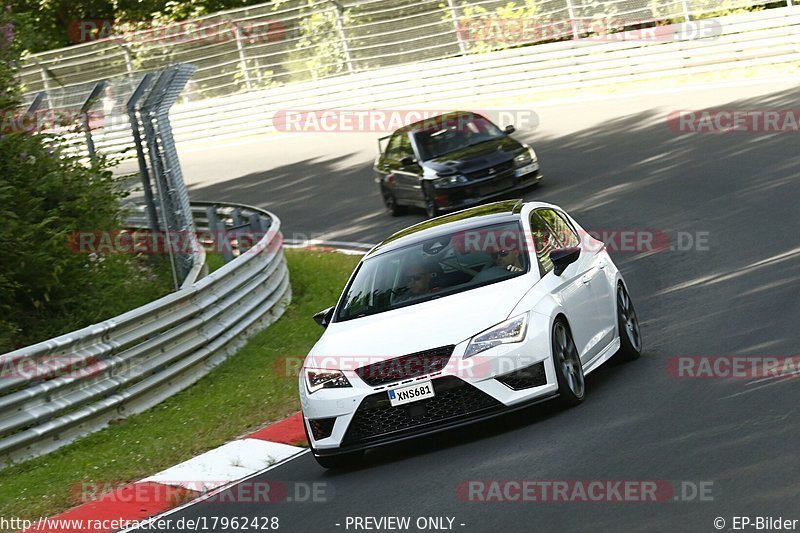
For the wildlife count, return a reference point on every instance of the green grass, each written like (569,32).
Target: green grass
(241,395)
(214,262)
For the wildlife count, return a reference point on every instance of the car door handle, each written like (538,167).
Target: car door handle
(601,265)
(586,279)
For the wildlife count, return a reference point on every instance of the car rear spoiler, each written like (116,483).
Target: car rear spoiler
(382,148)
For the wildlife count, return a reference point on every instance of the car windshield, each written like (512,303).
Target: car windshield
(437,267)
(455,133)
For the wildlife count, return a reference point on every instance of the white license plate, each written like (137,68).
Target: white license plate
(527,169)
(411,393)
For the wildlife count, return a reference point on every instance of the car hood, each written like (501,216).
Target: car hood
(440,322)
(475,158)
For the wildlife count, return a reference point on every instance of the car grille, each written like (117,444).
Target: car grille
(499,171)
(525,378)
(454,398)
(495,186)
(406,367)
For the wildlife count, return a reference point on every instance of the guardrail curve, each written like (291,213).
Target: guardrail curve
(66,387)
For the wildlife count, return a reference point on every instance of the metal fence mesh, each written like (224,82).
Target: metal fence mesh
(89,113)
(291,41)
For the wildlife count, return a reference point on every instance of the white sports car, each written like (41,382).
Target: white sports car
(460,318)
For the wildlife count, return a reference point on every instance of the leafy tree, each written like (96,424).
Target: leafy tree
(49,24)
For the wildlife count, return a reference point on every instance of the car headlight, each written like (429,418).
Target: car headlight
(511,331)
(526,157)
(447,181)
(324,379)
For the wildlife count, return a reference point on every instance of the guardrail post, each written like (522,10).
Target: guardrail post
(236,217)
(255,223)
(337,13)
(220,235)
(454,15)
(573,21)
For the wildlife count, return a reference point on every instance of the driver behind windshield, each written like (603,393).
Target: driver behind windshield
(505,261)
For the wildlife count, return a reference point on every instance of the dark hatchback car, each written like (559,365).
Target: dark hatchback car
(452,161)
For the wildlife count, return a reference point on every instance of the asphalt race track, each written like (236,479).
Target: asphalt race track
(614,165)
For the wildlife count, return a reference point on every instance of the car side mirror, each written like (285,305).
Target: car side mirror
(323,318)
(510,129)
(563,257)
(407,161)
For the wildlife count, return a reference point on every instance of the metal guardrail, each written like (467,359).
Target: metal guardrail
(58,390)
(747,40)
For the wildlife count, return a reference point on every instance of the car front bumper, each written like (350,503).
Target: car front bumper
(486,385)
(452,198)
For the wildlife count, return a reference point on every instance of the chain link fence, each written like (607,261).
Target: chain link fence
(290,41)
(136,105)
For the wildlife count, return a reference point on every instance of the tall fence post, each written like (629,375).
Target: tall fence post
(338,11)
(86,119)
(128,62)
(36,103)
(573,21)
(165,194)
(163,147)
(687,14)
(144,174)
(242,56)
(457,25)
(45,83)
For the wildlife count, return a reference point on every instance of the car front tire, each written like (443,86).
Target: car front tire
(567,362)
(391,204)
(431,209)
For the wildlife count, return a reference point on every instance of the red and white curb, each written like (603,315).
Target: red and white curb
(181,483)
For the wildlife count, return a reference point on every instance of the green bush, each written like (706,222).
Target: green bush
(46,196)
